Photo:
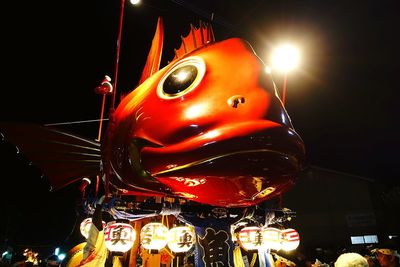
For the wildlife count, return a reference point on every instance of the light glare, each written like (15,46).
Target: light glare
(181,76)
(62,256)
(135,2)
(195,111)
(286,57)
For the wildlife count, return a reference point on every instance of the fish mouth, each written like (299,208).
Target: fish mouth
(235,166)
(255,155)
(262,149)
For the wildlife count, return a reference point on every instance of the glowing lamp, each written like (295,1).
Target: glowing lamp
(154,236)
(85,226)
(119,237)
(290,239)
(250,238)
(272,238)
(286,57)
(181,239)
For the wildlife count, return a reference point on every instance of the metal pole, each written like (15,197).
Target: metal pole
(121,17)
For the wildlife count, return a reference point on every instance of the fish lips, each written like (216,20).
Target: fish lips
(259,148)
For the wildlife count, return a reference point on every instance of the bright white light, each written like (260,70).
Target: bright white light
(135,2)
(286,57)
(182,75)
(61,256)
(268,69)
(195,111)
(212,134)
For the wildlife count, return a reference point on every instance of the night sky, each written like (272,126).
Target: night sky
(343,100)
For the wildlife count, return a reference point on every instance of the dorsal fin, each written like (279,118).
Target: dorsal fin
(154,56)
(195,39)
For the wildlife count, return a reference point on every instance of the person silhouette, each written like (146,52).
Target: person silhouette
(351,259)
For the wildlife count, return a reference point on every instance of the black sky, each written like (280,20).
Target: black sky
(343,101)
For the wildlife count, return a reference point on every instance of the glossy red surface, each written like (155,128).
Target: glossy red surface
(226,141)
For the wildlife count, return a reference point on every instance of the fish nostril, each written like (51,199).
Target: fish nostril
(235,100)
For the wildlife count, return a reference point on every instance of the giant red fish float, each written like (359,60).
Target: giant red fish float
(208,128)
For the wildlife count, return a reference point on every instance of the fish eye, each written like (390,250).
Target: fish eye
(181,78)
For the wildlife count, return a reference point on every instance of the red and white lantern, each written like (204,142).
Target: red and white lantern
(154,236)
(251,238)
(85,226)
(181,239)
(272,238)
(119,237)
(290,239)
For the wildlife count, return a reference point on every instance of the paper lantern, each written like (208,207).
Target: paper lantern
(181,239)
(272,238)
(154,236)
(119,237)
(85,226)
(290,239)
(250,238)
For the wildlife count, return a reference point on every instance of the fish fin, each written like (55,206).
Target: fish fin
(63,158)
(154,56)
(196,38)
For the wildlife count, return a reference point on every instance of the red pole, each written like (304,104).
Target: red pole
(121,16)
(101,117)
(284,88)
(111,113)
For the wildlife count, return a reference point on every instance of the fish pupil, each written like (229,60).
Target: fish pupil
(180,80)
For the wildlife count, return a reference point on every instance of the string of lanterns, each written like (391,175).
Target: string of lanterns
(120,237)
(254,238)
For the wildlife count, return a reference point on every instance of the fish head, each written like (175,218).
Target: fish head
(208,127)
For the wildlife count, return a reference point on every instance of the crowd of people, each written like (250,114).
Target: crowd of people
(94,254)
(383,256)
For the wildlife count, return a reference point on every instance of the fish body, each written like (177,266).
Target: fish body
(208,127)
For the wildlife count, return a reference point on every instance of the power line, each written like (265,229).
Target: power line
(73,122)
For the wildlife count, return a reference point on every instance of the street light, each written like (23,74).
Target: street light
(285,58)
